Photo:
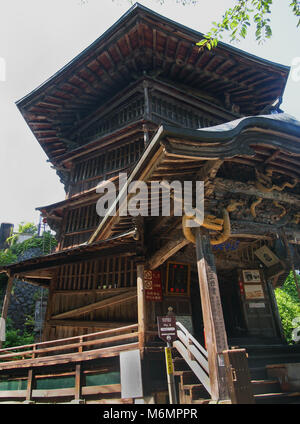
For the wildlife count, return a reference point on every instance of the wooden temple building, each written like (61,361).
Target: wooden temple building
(144,100)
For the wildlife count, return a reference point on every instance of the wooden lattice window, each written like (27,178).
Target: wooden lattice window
(180,113)
(82,218)
(88,172)
(119,117)
(79,225)
(98,274)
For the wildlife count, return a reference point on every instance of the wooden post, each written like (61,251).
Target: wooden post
(238,376)
(78,383)
(50,306)
(215,333)
(30,381)
(141,306)
(5,307)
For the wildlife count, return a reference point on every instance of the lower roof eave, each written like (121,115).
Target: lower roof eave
(40,270)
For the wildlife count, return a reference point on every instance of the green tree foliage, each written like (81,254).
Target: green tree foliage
(24,228)
(16,337)
(288,305)
(45,244)
(237,20)
(7,257)
(16,250)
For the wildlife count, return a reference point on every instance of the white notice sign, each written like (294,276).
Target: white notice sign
(254,291)
(131,374)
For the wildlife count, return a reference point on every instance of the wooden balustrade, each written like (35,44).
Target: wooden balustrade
(83,345)
(27,363)
(194,354)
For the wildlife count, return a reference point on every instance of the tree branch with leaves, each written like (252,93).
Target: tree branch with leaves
(237,20)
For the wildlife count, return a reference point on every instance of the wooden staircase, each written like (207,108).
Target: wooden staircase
(190,390)
(267,390)
(191,371)
(190,368)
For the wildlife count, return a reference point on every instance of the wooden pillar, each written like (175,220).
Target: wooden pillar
(215,333)
(50,307)
(5,307)
(78,382)
(30,382)
(141,304)
(146,99)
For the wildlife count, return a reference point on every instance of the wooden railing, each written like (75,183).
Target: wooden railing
(80,348)
(69,357)
(194,354)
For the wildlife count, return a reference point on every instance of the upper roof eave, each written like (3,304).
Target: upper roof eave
(135,10)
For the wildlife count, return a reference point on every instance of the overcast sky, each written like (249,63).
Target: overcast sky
(38,37)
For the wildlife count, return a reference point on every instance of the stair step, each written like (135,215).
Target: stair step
(192,387)
(280,397)
(195,391)
(200,401)
(268,355)
(265,386)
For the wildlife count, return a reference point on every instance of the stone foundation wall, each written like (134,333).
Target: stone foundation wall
(22,304)
(27,302)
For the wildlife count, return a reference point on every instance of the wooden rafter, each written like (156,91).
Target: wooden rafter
(111,301)
(167,250)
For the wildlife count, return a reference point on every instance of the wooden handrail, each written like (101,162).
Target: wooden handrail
(192,338)
(32,359)
(68,358)
(35,346)
(194,354)
(78,345)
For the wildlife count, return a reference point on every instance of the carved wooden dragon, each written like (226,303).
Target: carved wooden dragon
(265,184)
(212,223)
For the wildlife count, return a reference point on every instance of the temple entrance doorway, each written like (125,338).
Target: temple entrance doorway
(232,304)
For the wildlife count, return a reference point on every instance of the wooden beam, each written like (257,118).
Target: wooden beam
(111,301)
(88,324)
(209,169)
(166,251)
(208,173)
(68,358)
(215,333)
(249,189)
(80,292)
(244,228)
